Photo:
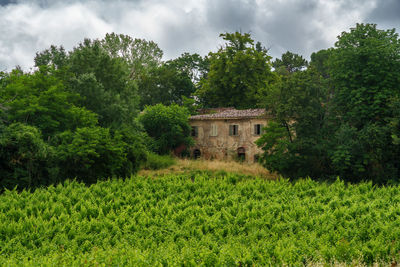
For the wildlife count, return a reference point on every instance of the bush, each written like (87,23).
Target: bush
(156,162)
(95,153)
(168,126)
(24,157)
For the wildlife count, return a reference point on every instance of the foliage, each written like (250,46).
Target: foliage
(156,162)
(166,85)
(198,219)
(41,100)
(365,73)
(239,74)
(193,65)
(24,157)
(139,54)
(94,153)
(340,113)
(168,126)
(104,84)
(289,63)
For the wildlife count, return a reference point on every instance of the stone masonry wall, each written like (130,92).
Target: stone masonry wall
(223,146)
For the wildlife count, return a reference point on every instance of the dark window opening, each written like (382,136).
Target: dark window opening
(196,153)
(233,129)
(258,129)
(195,131)
(241,152)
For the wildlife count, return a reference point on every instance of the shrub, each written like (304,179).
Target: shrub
(24,157)
(168,126)
(95,153)
(156,162)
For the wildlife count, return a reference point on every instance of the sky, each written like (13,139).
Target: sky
(178,26)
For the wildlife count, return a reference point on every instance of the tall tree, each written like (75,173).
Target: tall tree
(239,74)
(195,66)
(289,63)
(343,121)
(365,71)
(140,55)
(104,83)
(165,85)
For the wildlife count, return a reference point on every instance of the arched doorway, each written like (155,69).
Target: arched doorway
(241,152)
(196,153)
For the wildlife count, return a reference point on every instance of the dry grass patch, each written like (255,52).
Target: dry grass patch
(184,165)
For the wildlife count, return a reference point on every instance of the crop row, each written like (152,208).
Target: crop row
(200,218)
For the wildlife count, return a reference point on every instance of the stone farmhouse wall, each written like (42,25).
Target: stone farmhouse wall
(215,140)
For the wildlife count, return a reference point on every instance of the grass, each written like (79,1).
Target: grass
(188,165)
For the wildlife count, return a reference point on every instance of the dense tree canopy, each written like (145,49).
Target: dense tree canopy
(239,74)
(168,126)
(340,117)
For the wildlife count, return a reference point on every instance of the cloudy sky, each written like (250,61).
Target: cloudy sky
(300,26)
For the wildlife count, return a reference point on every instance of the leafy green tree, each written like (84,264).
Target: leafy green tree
(365,71)
(239,74)
(195,66)
(54,56)
(24,157)
(293,141)
(95,153)
(165,85)
(168,126)
(41,100)
(104,84)
(139,54)
(289,63)
(340,117)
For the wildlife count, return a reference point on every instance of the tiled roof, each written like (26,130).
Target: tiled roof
(231,113)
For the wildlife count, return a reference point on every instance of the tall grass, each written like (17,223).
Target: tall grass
(187,165)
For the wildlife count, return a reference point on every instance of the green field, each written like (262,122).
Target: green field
(200,218)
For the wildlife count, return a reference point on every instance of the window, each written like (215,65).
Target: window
(258,129)
(233,129)
(214,130)
(195,131)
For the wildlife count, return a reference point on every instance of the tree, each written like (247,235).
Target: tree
(93,153)
(293,141)
(54,56)
(340,116)
(239,74)
(364,69)
(139,54)
(289,63)
(41,100)
(168,126)
(165,85)
(24,157)
(193,65)
(104,84)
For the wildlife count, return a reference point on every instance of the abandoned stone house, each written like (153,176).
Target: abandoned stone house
(227,133)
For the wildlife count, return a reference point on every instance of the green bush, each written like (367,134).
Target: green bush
(24,157)
(156,162)
(95,153)
(168,126)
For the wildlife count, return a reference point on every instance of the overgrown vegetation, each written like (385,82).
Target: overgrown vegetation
(76,115)
(157,162)
(338,116)
(197,219)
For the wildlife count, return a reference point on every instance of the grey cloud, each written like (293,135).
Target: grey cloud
(7,2)
(28,26)
(386,12)
(231,15)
